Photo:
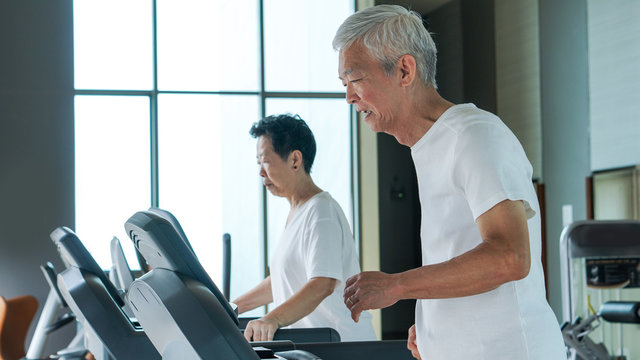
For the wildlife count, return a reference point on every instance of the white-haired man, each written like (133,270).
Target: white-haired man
(481,289)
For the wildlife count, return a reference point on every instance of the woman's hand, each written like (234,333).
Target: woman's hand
(261,329)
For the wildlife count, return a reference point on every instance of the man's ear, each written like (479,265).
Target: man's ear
(408,69)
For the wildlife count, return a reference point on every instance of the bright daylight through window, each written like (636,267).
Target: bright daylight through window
(164,102)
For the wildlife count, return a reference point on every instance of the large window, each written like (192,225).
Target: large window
(166,92)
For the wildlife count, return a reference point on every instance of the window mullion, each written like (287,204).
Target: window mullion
(153,121)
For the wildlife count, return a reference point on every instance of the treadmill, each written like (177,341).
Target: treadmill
(110,334)
(319,334)
(181,309)
(187,317)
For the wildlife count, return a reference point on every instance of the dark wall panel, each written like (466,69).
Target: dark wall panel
(36,142)
(445,26)
(479,56)
(399,208)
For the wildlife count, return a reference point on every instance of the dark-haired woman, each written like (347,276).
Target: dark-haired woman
(316,253)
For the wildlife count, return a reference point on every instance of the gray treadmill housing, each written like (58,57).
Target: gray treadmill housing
(594,239)
(74,254)
(183,319)
(611,238)
(110,334)
(176,225)
(164,247)
(180,308)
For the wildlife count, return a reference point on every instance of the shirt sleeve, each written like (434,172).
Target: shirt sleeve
(490,166)
(324,249)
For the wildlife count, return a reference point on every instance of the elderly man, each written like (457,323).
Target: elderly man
(480,290)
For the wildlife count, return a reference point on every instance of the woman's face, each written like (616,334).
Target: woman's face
(277,176)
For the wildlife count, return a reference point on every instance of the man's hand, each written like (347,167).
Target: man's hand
(411,343)
(368,290)
(260,329)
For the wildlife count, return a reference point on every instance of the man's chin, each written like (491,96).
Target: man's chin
(372,126)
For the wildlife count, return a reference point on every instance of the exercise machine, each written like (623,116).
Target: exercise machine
(180,308)
(120,275)
(109,333)
(323,334)
(49,322)
(603,255)
(186,316)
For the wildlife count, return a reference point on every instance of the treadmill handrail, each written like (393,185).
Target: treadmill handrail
(120,271)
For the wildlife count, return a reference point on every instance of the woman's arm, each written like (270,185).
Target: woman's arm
(260,295)
(301,304)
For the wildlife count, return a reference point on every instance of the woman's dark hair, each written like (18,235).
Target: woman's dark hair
(287,133)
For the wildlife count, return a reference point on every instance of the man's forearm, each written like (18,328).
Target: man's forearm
(475,272)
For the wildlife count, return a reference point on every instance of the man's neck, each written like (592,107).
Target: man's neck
(425,106)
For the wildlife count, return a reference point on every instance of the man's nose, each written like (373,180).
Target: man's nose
(351,95)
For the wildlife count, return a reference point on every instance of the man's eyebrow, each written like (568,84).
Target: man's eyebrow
(345,73)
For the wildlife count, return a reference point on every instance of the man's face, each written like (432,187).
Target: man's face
(368,87)
(274,171)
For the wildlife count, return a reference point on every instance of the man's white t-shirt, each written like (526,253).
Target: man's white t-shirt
(318,242)
(468,162)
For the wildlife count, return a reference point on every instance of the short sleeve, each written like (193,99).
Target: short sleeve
(490,166)
(324,249)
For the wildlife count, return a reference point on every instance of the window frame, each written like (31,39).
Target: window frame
(263,95)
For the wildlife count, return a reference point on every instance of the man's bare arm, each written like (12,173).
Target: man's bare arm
(503,256)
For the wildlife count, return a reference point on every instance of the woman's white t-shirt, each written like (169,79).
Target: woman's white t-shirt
(318,242)
(468,162)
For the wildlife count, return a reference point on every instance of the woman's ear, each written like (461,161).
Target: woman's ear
(295,159)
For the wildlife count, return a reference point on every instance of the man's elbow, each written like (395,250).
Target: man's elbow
(517,266)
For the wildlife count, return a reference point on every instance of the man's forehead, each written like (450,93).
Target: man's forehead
(353,59)
(347,65)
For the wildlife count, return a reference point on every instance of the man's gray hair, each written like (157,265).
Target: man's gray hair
(389,32)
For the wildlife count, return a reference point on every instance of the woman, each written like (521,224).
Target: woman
(316,253)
